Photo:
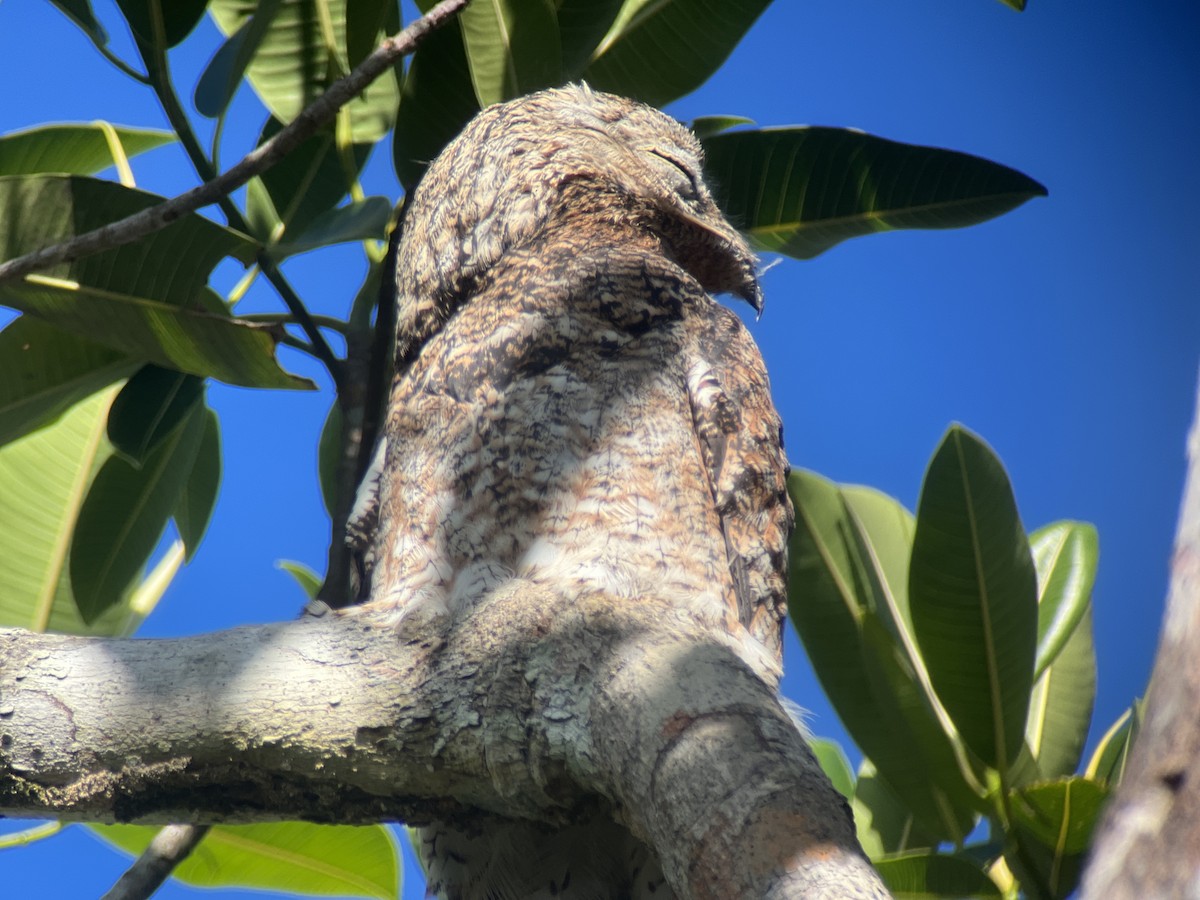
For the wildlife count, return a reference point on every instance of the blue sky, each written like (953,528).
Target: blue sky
(1065,333)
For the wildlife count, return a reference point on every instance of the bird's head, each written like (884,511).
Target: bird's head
(517,164)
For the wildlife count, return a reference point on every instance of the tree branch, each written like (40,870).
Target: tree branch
(171,846)
(320,112)
(1148,841)
(536,707)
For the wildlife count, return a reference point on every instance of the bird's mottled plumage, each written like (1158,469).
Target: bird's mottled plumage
(572,408)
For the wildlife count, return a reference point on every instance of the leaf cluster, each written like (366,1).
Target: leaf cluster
(957,650)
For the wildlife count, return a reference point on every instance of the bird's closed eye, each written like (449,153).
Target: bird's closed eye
(686,187)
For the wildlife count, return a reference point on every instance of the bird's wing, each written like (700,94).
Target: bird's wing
(741,443)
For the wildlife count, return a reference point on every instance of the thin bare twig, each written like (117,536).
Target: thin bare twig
(167,849)
(321,111)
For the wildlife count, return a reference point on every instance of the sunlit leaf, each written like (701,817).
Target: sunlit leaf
(147,298)
(799,191)
(309,581)
(512,47)
(884,823)
(287,857)
(707,126)
(195,507)
(839,602)
(1065,554)
(834,764)
(658,50)
(1060,705)
(302,53)
(45,371)
(1112,753)
(124,515)
(43,481)
(148,408)
(972,592)
(73,149)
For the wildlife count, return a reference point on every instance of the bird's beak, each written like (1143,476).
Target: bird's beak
(724,262)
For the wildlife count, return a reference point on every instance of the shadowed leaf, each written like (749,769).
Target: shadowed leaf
(45,371)
(512,47)
(195,507)
(147,298)
(124,515)
(659,50)
(799,191)
(152,403)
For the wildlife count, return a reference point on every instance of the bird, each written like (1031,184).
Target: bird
(573,408)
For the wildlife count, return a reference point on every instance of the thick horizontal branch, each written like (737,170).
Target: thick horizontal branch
(322,111)
(534,707)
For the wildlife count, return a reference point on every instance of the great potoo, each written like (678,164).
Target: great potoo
(572,408)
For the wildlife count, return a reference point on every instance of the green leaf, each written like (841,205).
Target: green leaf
(44,372)
(223,75)
(437,101)
(834,764)
(366,22)
(884,823)
(1018,5)
(1060,705)
(301,54)
(309,581)
(124,515)
(361,220)
(175,18)
(1112,753)
(149,407)
(196,503)
(582,24)
(707,126)
(841,601)
(80,12)
(922,875)
(73,149)
(306,183)
(43,481)
(147,298)
(972,590)
(329,450)
(799,191)
(512,47)
(1065,554)
(1053,823)
(286,857)
(659,50)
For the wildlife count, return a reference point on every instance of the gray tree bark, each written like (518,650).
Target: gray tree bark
(1149,841)
(534,707)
